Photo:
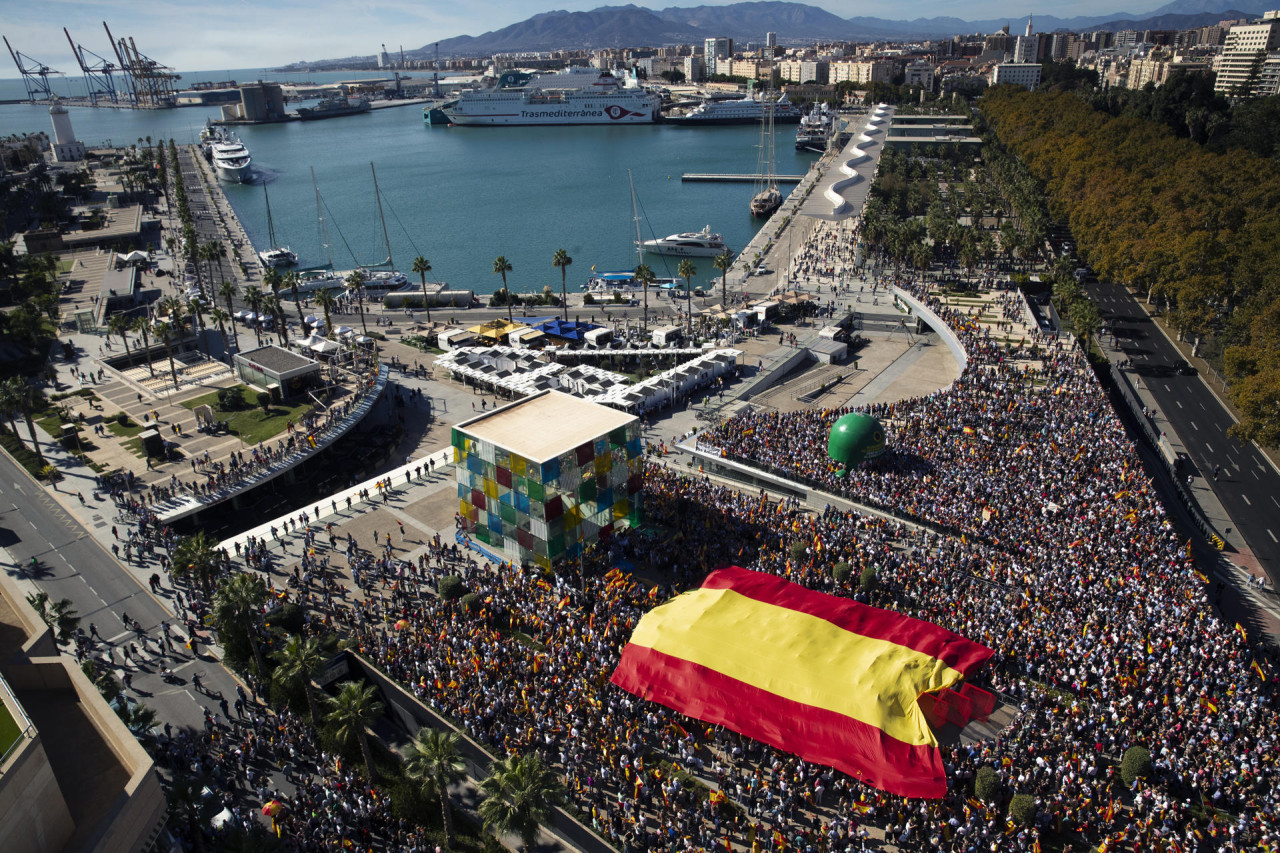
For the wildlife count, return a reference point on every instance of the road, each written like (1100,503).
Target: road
(74,565)
(1248,487)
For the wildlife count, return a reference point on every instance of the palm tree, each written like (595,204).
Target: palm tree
(253,297)
(291,281)
(520,794)
(26,398)
(195,310)
(217,251)
(355,283)
(687,271)
(562,260)
(723,261)
(196,558)
(433,760)
(185,799)
(58,615)
(327,303)
(352,711)
(228,292)
(502,266)
(142,325)
(167,334)
(271,304)
(645,276)
(221,317)
(422,266)
(118,324)
(299,659)
(10,402)
(237,609)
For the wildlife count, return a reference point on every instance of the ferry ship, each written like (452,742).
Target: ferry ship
(572,96)
(334,107)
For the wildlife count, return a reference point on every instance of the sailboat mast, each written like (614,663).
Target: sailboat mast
(386,239)
(324,229)
(271,227)
(635,217)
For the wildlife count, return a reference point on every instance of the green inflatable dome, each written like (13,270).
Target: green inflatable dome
(854,439)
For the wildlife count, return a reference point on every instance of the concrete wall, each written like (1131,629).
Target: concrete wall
(33,815)
(949,338)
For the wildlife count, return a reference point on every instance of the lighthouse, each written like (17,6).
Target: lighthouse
(65,147)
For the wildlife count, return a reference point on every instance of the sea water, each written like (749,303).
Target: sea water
(461,196)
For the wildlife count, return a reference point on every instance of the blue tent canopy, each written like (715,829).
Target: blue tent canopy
(570,331)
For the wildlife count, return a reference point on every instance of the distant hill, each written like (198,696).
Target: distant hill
(607,26)
(1225,9)
(620,26)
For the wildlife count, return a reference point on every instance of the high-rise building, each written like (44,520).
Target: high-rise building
(1244,56)
(770,40)
(1026,49)
(715,49)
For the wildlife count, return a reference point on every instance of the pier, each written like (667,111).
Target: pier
(708,177)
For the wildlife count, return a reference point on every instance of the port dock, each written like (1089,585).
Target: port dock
(745,178)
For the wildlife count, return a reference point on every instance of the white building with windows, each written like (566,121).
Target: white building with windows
(1024,74)
(1247,45)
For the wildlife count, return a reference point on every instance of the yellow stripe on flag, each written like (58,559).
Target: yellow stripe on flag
(871,680)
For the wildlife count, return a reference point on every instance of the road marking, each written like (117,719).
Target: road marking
(118,637)
(1193,423)
(1246,500)
(1273,498)
(1167,388)
(1179,402)
(1272,535)
(1211,450)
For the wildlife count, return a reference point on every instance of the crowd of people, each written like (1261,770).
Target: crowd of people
(1041,537)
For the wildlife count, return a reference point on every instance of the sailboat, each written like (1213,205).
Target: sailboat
(768,197)
(276,256)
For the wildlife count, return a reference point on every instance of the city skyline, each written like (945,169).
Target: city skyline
(185,36)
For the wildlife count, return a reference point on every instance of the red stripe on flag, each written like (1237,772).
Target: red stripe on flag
(955,651)
(815,734)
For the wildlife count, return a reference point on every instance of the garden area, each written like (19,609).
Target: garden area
(251,416)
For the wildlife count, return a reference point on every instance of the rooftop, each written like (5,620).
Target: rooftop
(275,359)
(546,425)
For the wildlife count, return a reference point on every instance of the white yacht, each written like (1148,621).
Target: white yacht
(231,159)
(278,257)
(620,281)
(689,244)
(747,110)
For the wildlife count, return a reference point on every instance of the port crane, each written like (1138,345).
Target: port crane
(35,74)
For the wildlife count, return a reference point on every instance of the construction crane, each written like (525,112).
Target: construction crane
(35,75)
(98,72)
(151,82)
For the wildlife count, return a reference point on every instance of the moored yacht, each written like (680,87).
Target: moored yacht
(688,244)
(231,161)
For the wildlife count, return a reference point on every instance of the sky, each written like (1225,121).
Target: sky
(232,34)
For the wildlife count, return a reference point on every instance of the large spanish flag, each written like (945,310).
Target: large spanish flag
(823,677)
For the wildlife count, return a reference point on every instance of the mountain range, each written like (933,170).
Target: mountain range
(795,23)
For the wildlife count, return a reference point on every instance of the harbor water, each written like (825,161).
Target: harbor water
(462,196)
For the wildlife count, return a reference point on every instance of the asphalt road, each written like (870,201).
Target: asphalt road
(73,565)
(1247,486)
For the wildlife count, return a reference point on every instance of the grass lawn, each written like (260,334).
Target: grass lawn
(251,424)
(113,426)
(9,731)
(65,265)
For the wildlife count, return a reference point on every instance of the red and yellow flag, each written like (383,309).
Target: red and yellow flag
(828,679)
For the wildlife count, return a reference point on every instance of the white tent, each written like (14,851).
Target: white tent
(135,255)
(324,345)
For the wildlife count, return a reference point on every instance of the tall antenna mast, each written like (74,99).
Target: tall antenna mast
(635,216)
